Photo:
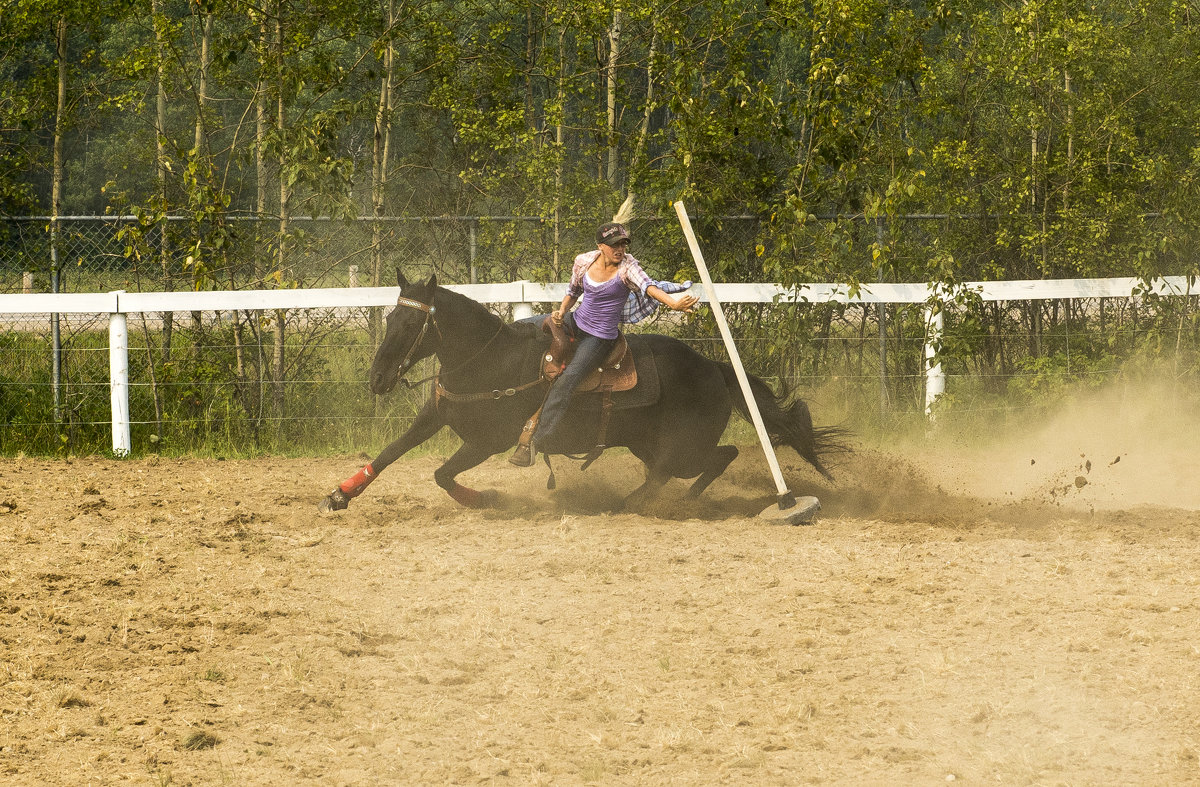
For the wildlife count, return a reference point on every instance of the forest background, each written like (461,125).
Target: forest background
(815,141)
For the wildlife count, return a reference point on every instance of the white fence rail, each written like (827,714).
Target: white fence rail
(523,294)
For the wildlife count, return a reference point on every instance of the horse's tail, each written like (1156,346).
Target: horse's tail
(787,424)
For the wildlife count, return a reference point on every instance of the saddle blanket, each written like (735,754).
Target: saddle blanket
(645,393)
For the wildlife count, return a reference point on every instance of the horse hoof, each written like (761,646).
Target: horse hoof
(628,506)
(474,498)
(334,501)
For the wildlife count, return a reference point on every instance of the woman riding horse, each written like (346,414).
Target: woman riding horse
(605,278)
(491,380)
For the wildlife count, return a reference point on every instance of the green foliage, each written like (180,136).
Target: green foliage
(1068,129)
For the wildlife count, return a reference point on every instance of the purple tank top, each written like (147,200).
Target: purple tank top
(599,313)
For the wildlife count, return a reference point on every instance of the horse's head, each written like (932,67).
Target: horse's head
(409,337)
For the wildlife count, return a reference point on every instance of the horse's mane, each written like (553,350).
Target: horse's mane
(487,319)
(470,306)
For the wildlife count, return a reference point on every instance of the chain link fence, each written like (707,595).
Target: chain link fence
(251,381)
(99,254)
(248,380)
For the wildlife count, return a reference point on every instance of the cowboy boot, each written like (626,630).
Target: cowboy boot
(526,454)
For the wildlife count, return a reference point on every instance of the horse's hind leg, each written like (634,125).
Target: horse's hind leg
(656,478)
(466,457)
(721,457)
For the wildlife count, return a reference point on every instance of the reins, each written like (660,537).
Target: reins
(440,391)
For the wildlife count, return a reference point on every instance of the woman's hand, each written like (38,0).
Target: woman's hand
(557,316)
(684,303)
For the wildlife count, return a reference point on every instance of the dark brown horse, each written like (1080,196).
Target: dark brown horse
(490,383)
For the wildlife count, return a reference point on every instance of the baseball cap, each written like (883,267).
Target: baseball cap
(612,233)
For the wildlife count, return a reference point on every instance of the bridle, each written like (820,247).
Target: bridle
(429,310)
(439,389)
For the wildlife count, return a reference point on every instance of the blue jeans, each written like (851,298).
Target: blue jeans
(590,352)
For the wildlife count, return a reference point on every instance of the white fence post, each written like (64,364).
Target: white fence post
(118,380)
(525,309)
(935,379)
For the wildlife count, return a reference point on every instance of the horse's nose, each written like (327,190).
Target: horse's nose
(381,383)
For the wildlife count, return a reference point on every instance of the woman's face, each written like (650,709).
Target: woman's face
(613,254)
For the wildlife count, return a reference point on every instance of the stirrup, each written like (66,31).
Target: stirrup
(524,456)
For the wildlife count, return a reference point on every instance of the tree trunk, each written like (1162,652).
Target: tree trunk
(644,131)
(202,81)
(199,148)
(1035,328)
(379,170)
(1002,355)
(278,364)
(530,120)
(160,166)
(260,158)
(281,260)
(56,187)
(256,321)
(1070,143)
(560,154)
(614,51)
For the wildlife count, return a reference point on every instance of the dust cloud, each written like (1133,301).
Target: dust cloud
(1129,444)
(1099,453)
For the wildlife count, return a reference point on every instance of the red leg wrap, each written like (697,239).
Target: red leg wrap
(465,496)
(355,484)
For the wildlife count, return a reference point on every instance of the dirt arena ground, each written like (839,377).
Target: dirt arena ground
(1025,615)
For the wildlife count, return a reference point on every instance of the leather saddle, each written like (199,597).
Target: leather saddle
(616,373)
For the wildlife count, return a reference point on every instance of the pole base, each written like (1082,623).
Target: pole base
(802,513)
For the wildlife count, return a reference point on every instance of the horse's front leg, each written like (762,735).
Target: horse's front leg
(424,426)
(466,457)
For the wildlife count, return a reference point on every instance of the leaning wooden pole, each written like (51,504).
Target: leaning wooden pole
(786,500)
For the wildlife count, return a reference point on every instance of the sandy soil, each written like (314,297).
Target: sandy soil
(956,616)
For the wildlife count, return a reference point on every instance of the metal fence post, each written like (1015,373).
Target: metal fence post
(471,262)
(118,379)
(882,316)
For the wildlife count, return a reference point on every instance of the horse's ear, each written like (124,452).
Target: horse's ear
(403,282)
(432,283)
